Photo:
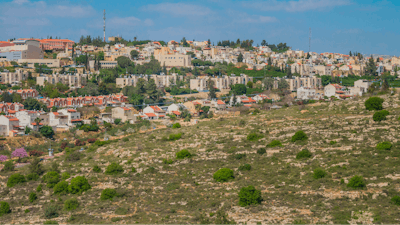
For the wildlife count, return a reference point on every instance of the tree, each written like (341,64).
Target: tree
(299,136)
(184,42)
(283,84)
(151,89)
(124,62)
(370,68)
(100,56)
(211,89)
(78,184)
(319,173)
(223,175)
(249,195)
(134,54)
(268,83)
(114,168)
(6,97)
(51,178)
(47,131)
(380,115)
(4,208)
(250,84)
(108,194)
(183,154)
(356,182)
(36,167)
(15,179)
(240,57)
(263,43)
(239,89)
(289,72)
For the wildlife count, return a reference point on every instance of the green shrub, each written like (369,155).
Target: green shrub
(261,151)
(305,153)
(61,188)
(32,176)
(39,188)
(117,121)
(50,222)
(386,145)
(125,139)
(332,142)
(51,178)
(73,156)
(380,115)
(78,184)
(51,211)
(133,170)
(176,125)
(27,210)
(245,167)
(254,136)
(168,161)
(108,193)
(239,156)
(71,204)
(173,137)
(8,166)
(4,208)
(65,175)
(374,103)
(396,200)
(96,169)
(32,196)
(183,154)
(319,173)
(274,143)
(223,175)
(114,168)
(356,182)
(15,179)
(299,136)
(249,195)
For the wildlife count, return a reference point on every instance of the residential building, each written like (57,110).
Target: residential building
(169,58)
(52,63)
(150,111)
(9,126)
(73,116)
(305,93)
(27,118)
(13,78)
(108,64)
(9,107)
(123,113)
(224,82)
(71,80)
(309,82)
(21,49)
(363,85)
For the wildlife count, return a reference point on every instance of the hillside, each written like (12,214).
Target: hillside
(342,139)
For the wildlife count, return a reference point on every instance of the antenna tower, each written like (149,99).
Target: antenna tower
(309,42)
(104,27)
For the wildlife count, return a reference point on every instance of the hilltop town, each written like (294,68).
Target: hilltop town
(130,131)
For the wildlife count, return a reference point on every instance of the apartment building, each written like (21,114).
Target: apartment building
(25,93)
(309,82)
(13,78)
(73,116)
(27,118)
(160,80)
(224,82)
(108,64)
(56,44)
(305,93)
(82,101)
(21,49)
(170,58)
(11,107)
(71,80)
(53,63)
(123,113)
(9,126)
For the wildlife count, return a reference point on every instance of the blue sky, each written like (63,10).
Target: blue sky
(365,26)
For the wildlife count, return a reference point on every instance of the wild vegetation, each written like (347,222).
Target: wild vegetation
(341,168)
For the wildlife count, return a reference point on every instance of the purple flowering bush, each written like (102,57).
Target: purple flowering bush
(20,153)
(3,158)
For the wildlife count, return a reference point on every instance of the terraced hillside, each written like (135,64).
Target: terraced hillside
(154,186)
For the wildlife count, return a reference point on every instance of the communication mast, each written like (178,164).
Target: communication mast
(104,27)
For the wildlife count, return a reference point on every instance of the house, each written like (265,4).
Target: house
(58,120)
(330,90)
(363,85)
(123,113)
(154,110)
(173,107)
(260,97)
(305,93)
(10,127)
(218,104)
(191,106)
(74,116)
(27,118)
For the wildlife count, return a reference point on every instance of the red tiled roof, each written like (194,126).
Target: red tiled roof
(219,102)
(56,113)
(150,114)
(71,110)
(34,124)
(176,113)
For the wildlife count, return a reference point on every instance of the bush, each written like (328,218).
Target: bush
(73,156)
(32,196)
(51,178)
(50,222)
(39,188)
(36,166)
(305,153)
(254,136)
(114,168)
(125,139)
(356,182)
(51,212)
(61,188)
(183,154)
(107,194)
(117,121)
(386,145)
(223,175)
(8,166)
(168,161)
(78,184)
(15,179)
(396,200)
(173,137)
(374,103)
(35,153)
(261,151)
(64,145)
(91,140)
(380,115)
(319,173)
(299,136)
(274,143)
(4,208)
(32,176)
(176,125)
(65,175)
(71,204)
(79,142)
(96,169)
(239,156)
(245,167)
(249,195)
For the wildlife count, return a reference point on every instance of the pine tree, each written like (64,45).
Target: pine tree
(350,54)
(211,89)
(240,57)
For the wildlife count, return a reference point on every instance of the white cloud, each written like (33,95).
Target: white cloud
(178,9)
(20,2)
(38,22)
(296,6)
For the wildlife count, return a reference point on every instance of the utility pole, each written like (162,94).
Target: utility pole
(104,27)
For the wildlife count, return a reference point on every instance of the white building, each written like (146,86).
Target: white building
(305,93)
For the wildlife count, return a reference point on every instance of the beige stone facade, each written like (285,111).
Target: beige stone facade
(224,82)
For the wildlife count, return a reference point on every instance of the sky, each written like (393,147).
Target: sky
(365,26)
